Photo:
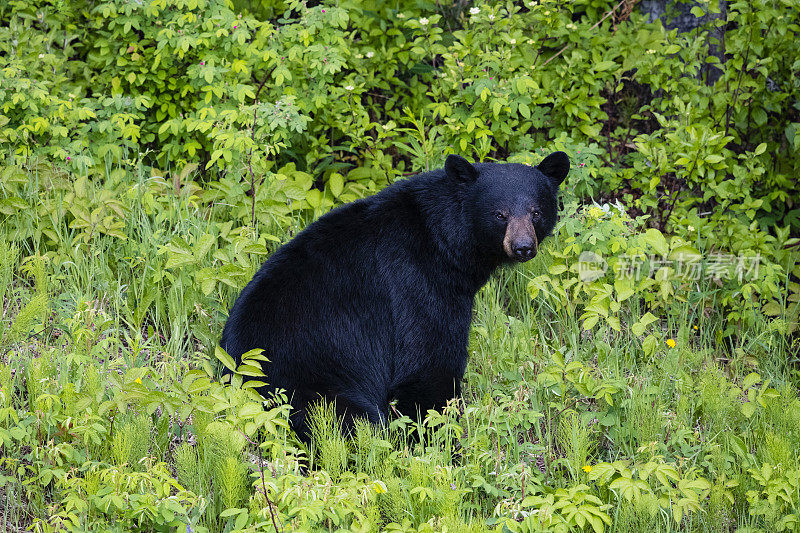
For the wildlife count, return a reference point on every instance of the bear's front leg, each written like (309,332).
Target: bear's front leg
(431,389)
(348,407)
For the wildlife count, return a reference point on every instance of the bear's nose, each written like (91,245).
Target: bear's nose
(523,253)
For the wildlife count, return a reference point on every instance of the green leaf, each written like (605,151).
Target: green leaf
(206,280)
(224,358)
(650,345)
(176,260)
(597,524)
(256,354)
(685,253)
(314,198)
(677,509)
(602,473)
(666,472)
(751,379)
(590,321)
(250,370)
(336,183)
(624,289)
(254,384)
(641,325)
(250,410)
(497,107)
(590,130)
(656,239)
(604,65)
(13,205)
(203,245)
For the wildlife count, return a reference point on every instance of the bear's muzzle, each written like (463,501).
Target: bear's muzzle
(520,242)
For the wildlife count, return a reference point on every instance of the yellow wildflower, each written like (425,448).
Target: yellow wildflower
(695,328)
(379,487)
(671,343)
(587,468)
(138,380)
(595,212)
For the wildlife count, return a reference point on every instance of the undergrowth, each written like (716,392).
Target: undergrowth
(111,415)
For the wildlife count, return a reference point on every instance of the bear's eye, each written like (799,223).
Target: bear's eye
(535,215)
(499,215)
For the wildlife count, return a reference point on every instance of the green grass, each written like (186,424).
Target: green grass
(109,418)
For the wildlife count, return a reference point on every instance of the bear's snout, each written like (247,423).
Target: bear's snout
(523,253)
(520,242)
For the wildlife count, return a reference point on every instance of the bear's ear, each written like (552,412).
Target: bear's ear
(555,166)
(460,169)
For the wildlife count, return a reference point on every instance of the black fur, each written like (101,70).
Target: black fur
(373,301)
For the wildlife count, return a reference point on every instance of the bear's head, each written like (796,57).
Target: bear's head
(510,206)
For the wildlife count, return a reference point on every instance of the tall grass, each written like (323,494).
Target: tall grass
(102,343)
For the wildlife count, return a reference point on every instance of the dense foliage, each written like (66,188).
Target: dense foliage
(640,374)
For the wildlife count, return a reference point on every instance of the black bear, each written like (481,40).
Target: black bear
(373,301)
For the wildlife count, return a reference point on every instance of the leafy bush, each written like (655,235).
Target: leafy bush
(379,85)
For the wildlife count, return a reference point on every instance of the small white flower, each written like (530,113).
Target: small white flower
(690,228)
(530,41)
(531,4)
(571,26)
(349,87)
(651,51)
(423,21)
(491,16)
(370,54)
(474,10)
(41,56)
(513,41)
(401,15)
